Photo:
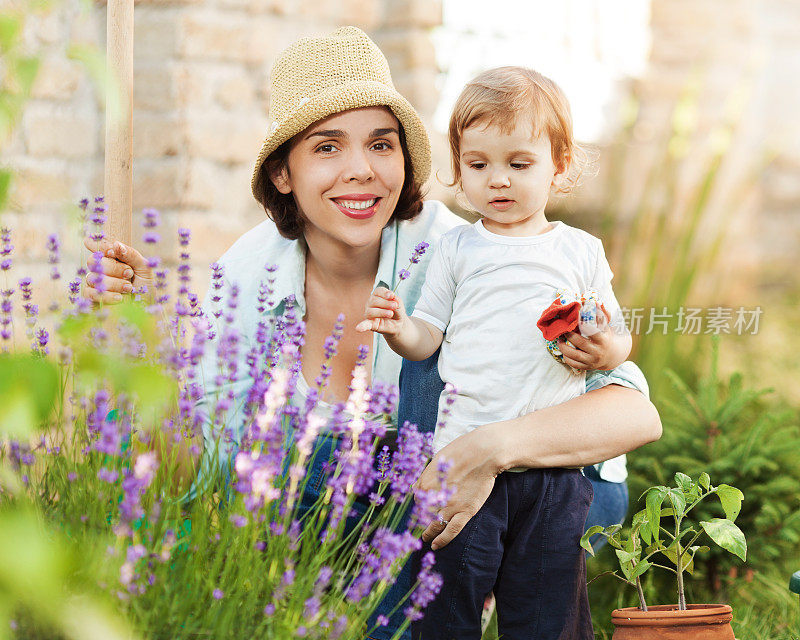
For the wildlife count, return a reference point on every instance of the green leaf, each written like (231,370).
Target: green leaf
(727,535)
(705,481)
(683,481)
(9,32)
(625,562)
(672,553)
(26,70)
(731,499)
(655,497)
(640,568)
(641,525)
(5,186)
(149,384)
(678,502)
(589,533)
(28,389)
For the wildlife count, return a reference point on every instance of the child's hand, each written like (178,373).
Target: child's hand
(384,313)
(603,351)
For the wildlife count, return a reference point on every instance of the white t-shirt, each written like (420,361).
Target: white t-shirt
(485,292)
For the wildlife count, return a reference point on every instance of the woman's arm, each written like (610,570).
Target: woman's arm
(590,428)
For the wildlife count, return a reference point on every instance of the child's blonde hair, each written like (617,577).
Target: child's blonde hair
(500,96)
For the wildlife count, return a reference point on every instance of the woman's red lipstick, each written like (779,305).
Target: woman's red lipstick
(359,206)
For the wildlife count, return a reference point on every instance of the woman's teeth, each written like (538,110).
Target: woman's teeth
(357,204)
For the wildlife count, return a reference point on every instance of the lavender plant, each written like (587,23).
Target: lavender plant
(97,420)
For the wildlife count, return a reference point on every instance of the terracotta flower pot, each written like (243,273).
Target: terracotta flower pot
(667,622)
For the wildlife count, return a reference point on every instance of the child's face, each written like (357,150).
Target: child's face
(507,176)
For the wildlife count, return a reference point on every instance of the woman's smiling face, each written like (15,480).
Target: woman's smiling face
(346,174)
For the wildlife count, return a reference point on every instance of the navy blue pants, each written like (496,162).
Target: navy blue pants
(523,545)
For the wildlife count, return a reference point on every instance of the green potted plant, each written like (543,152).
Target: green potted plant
(662,535)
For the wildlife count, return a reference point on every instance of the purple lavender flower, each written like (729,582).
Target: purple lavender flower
(25,288)
(135,553)
(266,290)
(54,255)
(384,464)
(450,394)
(184,270)
(6,308)
(330,348)
(339,627)
(161,285)
(430,584)
(361,357)
(428,504)
(408,461)
(74,289)
(218,594)
(152,218)
(404,274)
(217,282)
(323,579)
(387,547)
(6,249)
(108,475)
(238,521)
(98,219)
(311,608)
(419,251)
(96,269)
(134,484)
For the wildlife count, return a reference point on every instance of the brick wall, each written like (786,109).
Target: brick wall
(201,71)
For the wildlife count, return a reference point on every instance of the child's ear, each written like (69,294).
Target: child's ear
(562,170)
(280,178)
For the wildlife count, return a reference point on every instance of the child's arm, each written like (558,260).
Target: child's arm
(412,338)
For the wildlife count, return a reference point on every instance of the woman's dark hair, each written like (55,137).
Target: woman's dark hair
(281,208)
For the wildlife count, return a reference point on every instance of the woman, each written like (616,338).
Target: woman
(339,175)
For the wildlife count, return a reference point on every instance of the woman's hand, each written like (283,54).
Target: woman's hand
(472,472)
(124,271)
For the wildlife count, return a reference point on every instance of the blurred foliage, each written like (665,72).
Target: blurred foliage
(47,583)
(28,390)
(147,383)
(18,71)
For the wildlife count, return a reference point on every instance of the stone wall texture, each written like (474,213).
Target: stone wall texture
(200,101)
(201,94)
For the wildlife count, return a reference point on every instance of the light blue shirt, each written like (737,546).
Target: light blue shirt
(244,264)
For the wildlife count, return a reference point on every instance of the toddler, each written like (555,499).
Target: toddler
(487,285)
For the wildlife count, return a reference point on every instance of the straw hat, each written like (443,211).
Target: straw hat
(317,77)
